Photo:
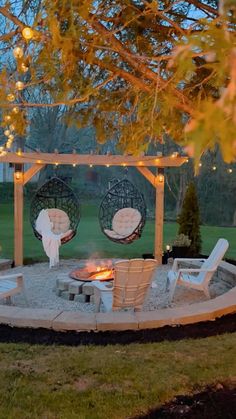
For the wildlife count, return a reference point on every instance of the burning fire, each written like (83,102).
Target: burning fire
(94,272)
(102,274)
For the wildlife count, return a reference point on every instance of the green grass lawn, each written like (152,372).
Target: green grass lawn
(90,382)
(91,241)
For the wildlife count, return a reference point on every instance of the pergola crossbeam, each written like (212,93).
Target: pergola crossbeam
(92,159)
(148,175)
(31,172)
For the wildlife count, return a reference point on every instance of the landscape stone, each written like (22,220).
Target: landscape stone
(63,283)
(88,289)
(67,296)
(58,292)
(80,298)
(76,287)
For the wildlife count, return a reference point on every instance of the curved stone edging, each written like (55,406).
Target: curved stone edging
(57,320)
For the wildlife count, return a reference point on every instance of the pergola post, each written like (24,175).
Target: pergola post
(158,183)
(159,215)
(20,179)
(18,214)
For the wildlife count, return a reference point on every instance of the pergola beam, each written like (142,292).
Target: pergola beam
(92,159)
(148,175)
(31,172)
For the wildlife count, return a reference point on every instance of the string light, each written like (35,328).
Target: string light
(15,110)
(18,52)
(161,178)
(90,165)
(12,127)
(74,165)
(214,168)
(19,85)
(24,67)
(2,151)
(200,165)
(27,33)
(11,137)
(10,97)
(7,132)
(230,170)
(107,165)
(7,118)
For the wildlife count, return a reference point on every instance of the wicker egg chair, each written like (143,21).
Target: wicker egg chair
(62,206)
(122,213)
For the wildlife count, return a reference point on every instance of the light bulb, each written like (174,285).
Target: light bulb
(27,33)
(7,118)
(15,110)
(19,85)
(7,132)
(24,67)
(11,137)
(18,52)
(10,97)
(12,127)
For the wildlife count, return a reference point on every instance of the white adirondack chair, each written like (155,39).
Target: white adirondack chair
(200,277)
(11,285)
(132,279)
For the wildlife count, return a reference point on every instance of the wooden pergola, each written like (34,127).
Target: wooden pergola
(39,160)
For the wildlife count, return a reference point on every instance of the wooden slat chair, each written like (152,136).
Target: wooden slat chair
(11,285)
(132,279)
(196,278)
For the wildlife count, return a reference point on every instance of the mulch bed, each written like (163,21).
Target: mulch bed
(225,324)
(217,402)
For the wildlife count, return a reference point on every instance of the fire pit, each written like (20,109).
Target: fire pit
(92,272)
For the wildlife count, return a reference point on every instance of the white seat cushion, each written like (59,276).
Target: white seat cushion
(113,234)
(125,221)
(59,219)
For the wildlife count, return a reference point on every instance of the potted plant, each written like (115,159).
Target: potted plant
(180,246)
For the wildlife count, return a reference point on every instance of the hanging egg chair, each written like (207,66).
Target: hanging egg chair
(122,213)
(62,207)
